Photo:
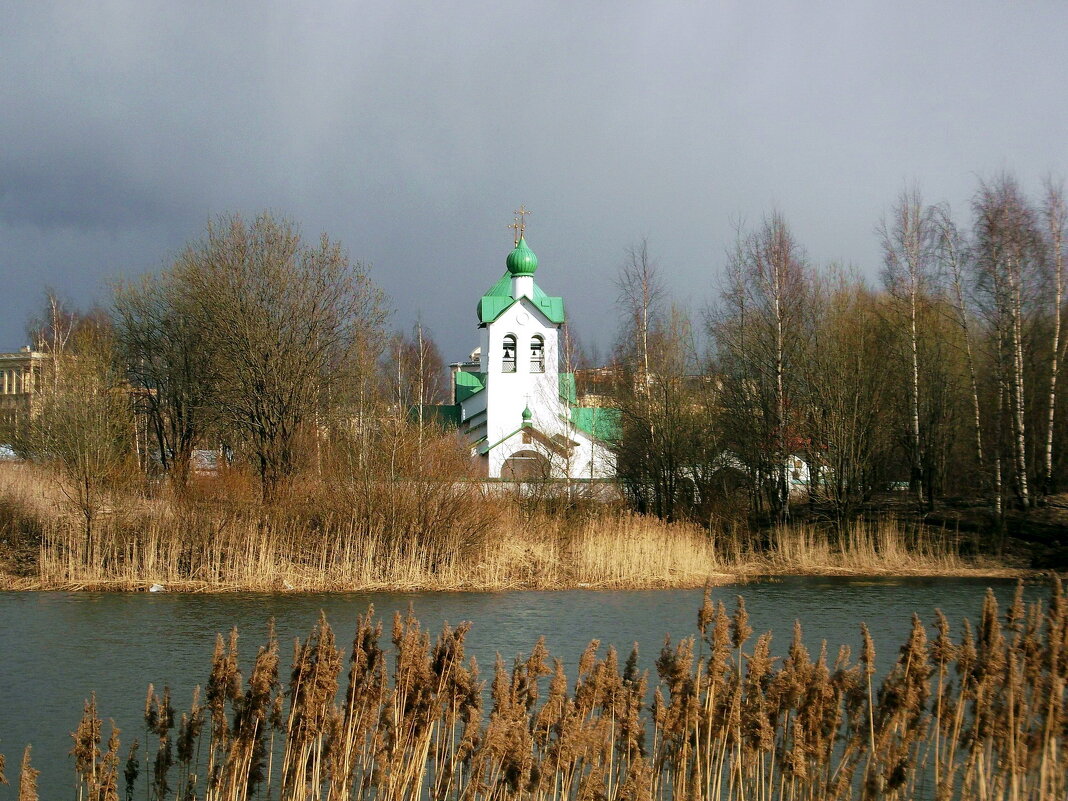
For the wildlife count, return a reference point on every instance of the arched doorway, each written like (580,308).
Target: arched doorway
(525,465)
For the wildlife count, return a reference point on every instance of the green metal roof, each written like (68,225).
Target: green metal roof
(522,260)
(567,388)
(468,384)
(485,448)
(499,297)
(446,416)
(603,423)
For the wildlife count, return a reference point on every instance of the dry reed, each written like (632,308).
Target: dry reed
(977,717)
(27,778)
(428,535)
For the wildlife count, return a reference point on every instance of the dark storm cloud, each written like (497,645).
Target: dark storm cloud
(410,132)
(71,191)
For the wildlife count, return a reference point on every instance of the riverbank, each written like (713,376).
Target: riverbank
(433,541)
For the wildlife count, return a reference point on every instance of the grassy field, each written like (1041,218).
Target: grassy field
(422,536)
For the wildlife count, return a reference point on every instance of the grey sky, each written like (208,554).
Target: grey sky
(410,132)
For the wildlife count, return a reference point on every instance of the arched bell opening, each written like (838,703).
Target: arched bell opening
(508,354)
(537,354)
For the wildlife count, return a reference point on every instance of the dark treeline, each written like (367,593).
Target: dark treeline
(800,389)
(817,388)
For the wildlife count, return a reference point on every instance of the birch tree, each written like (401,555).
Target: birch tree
(953,255)
(1007,247)
(640,290)
(51,331)
(908,241)
(416,371)
(1054,215)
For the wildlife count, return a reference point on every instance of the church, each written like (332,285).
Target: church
(512,403)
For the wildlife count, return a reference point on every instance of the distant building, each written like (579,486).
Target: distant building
(20,376)
(512,403)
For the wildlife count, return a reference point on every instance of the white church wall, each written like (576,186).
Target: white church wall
(509,393)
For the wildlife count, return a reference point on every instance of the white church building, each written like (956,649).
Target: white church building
(516,409)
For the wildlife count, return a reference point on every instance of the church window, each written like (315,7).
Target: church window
(537,354)
(508,360)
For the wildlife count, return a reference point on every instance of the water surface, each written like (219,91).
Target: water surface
(57,648)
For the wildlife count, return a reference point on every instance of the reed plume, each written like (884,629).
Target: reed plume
(107,788)
(972,717)
(27,778)
(86,751)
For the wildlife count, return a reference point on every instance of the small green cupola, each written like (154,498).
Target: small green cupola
(522,261)
(527,415)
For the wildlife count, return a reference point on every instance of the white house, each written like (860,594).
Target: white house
(515,407)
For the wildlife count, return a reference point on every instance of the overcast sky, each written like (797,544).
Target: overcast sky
(410,132)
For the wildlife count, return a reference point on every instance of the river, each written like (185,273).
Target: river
(57,648)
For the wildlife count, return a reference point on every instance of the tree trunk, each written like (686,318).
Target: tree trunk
(917,455)
(780,404)
(962,312)
(1055,217)
(1019,423)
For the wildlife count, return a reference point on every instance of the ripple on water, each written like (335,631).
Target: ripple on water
(56,648)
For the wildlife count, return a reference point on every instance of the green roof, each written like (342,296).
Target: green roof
(499,297)
(446,416)
(468,384)
(603,423)
(567,388)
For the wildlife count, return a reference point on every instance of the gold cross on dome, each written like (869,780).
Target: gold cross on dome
(516,227)
(521,213)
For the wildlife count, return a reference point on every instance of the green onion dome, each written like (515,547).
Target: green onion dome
(522,260)
(527,414)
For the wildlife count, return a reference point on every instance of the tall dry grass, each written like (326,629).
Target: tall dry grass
(973,717)
(883,546)
(417,534)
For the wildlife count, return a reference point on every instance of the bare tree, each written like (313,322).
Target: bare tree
(908,249)
(292,331)
(640,290)
(50,332)
(760,337)
(416,370)
(663,421)
(847,389)
(953,253)
(84,427)
(168,364)
(1007,251)
(640,293)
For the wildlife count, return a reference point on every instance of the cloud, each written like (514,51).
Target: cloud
(410,132)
